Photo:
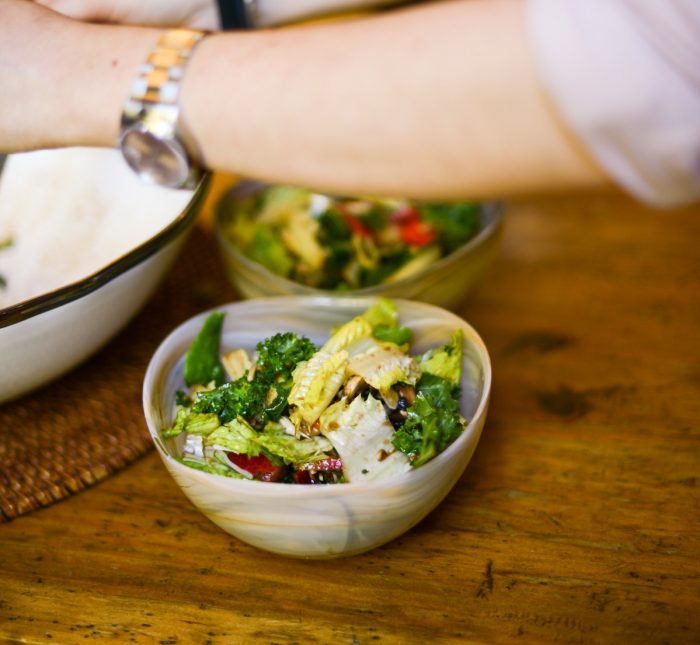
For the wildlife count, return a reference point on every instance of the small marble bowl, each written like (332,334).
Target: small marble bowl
(317,521)
(448,282)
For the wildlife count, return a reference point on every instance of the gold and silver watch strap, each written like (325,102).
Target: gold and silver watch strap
(152,106)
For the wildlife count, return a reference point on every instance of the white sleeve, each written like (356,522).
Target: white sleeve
(625,77)
(269,13)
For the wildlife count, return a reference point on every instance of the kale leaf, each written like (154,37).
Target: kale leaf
(433,422)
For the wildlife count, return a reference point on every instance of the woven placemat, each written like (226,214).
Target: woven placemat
(89,424)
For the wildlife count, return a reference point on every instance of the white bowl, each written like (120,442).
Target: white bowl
(317,521)
(48,334)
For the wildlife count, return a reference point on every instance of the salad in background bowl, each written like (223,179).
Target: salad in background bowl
(373,455)
(280,240)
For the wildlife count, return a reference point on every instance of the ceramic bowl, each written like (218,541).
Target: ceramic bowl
(47,335)
(317,521)
(447,283)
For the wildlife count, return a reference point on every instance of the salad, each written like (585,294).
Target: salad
(359,408)
(345,243)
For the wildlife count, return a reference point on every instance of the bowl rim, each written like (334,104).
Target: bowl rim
(247,187)
(277,488)
(68,293)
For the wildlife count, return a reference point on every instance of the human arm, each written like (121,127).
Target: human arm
(436,101)
(203,14)
(196,14)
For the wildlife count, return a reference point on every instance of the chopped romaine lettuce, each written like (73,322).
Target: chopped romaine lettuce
(445,361)
(236,436)
(384,365)
(196,423)
(316,382)
(239,437)
(301,238)
(212,466)
(382,313)
(290,449)
(347,334)
(266,248)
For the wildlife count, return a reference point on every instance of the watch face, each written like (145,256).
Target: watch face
(157,161)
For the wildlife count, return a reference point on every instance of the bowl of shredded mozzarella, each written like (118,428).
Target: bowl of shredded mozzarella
(83,244)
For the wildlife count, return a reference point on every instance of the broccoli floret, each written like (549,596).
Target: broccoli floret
(277,358)
(239,398)
(279,355)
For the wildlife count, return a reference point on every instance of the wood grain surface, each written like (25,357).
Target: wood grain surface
(577,521)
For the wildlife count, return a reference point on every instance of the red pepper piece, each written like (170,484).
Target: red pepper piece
(259,467)
(357,227)
(417,233)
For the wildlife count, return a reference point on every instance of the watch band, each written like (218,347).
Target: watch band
(152,106)
(237,14)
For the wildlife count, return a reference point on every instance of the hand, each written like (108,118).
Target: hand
(197,14)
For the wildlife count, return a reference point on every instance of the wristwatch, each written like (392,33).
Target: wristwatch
(150,139)
(238,14)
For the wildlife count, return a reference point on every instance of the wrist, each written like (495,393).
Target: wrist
(100,73)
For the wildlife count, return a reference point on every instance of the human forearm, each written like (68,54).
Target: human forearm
(63,82)
(438,101)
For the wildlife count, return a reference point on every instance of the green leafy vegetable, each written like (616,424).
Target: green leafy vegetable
(195,423)
(202,364)
(277,358)
(445,361)
(343,243)
(453,223)
(382,313)
(279,355)
(239,398)
(434,420)
(237,436)
(212,466)
(266,248)
(398,335)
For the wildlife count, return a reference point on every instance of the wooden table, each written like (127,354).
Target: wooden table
(576,521)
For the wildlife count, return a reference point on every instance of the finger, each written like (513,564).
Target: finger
(80,9)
